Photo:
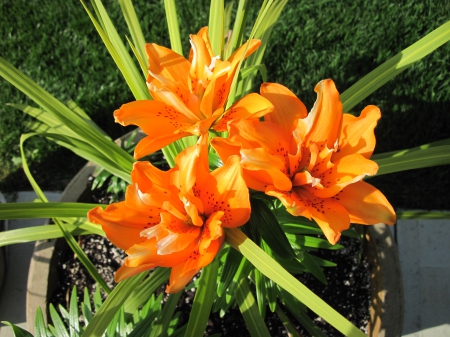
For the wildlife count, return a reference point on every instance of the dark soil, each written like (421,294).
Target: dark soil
(348,289)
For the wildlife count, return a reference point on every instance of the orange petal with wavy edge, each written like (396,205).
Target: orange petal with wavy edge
(323,123)
(251,106)
(125,272)
(181,274)
(287,107)
(147,253)
(345,171)
(193,165)
(121,224)
(358,133)
(230,196)
(165,62)
(366,205)
(153,117)
(200,58)
(225,148)
(216,92)
(254,134)
(149,178)
(260,160)
(149,144)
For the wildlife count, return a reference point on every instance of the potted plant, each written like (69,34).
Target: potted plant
(300,176)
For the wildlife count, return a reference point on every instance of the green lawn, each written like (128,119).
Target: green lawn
(55,44)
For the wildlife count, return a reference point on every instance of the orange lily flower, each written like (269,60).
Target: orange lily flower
(313,163)
(175,218)
(189,95)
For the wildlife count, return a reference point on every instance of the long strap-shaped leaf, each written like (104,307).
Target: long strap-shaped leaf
(391,68)
(215,26)
(111,306)
(35,210)
(87,152)
(414,159)
(284,279)
(249,309)
(173,26)
(118,51)
(203,300)
(135,28)
(46,232)
(430,215)
(65,115)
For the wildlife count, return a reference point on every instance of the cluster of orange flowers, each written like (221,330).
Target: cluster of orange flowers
(313,163)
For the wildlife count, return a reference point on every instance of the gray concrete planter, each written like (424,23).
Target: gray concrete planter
(387,301)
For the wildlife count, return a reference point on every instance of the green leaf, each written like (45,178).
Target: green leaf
(87,152)
(247,305)
(229,269)
(298,310)
(118,51)
(86,308)
(162,322)
(271,230)
(141,294)
(66,116)
(431,215)
(172,25)
(260,286)
(280,276)
(203,300)
(18,331)
(74,326)
(111,306)
(39,324)
(394,66)
(310,264)
(134,27)
(32,234)
(244,73)
(216,26)
(419,157)
(58,322)
(33,210)
(292,332)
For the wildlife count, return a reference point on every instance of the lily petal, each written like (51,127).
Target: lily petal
(151,144)
(181,274)
(121,224)
(251,106)
(165,62)
(323,123)
(231,196)
(358,133)
(344,172)
(147,253)
(366,205)
(287,107)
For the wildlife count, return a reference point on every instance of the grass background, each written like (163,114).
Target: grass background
(55,44)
